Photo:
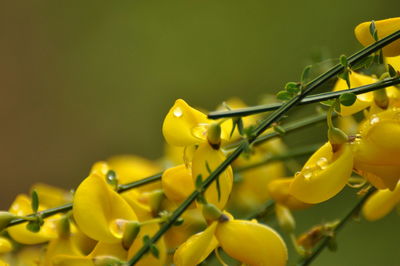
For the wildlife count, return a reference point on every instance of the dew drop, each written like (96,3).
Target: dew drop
(374,120)
(322,163)
(307,173)
(178,112)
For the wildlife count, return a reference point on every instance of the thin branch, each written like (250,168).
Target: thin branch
(307,100)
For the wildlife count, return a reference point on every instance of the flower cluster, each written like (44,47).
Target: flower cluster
(126,200)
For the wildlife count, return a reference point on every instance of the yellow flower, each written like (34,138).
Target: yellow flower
(251,243)
(381,203)
(278,189)
(324,174)
(177,183)
(95,200)
(21,207)
(384,28)
(186,126)
(197,247)
(377,150)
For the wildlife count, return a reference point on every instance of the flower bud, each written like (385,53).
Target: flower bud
(131,231)
(285,218)
(211,212)
(214,135)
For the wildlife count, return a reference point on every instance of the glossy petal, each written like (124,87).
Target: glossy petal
(279,191)
(252,243)
(95,200)
(197,247)
(184,125)
(324,174)
(377,150)
(177,183)
(206,155)
(384,28)
(22,206)
(381,203)
(363,100)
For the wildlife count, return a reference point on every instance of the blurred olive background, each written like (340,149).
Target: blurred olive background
(83,80)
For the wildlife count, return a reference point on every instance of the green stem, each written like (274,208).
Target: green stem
(354,211)
(263,125)
(307,100)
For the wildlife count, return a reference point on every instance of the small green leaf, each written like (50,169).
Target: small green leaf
(373,31)
(280,130)
(208,168)
(201,199)
(146,239)
(292,87)
(199,181)
(240,126)
(306,74)
(234,123)
(283,96)
(218,185)
(35,201)
(392,71)
(347,99)
(154,251)
(343,61)
(33,226)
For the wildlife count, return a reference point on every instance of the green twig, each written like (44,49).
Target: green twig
(307,100)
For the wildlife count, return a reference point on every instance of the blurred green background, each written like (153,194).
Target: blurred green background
(83,80)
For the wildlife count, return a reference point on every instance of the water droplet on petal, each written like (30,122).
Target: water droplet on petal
(374,119)
(178,112)
(307,173)
(322,163)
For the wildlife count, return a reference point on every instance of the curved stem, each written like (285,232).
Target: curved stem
(307,100)
(263,125)
(342,223)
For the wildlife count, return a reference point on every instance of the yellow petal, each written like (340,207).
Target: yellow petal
(58,246)
(324,174)
(279,191)
(184,125)
(69,260)
(177,183)
(22,206)
(206,155)
(197,247)
(5,245)
(363,100)
(149,259)
(394,61)
(109,249)
(381,203)
(384,28)
(252,243)
(95,200)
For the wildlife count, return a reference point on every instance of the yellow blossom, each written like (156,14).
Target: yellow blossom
(278,189)
(384,28)
(95,200)
(324,174)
